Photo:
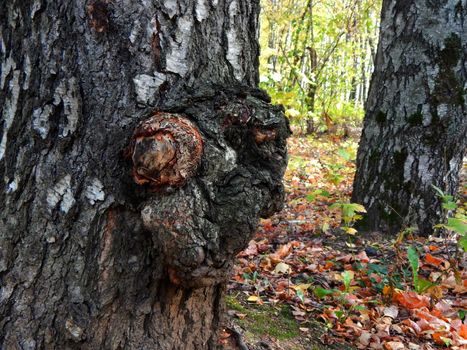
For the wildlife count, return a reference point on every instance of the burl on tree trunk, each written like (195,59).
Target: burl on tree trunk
(208,171)
(136,157)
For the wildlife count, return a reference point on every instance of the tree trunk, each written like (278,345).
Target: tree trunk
(118,231)
(415,129)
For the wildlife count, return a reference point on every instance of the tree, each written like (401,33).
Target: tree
(415,128)
(136,158)
(317,58)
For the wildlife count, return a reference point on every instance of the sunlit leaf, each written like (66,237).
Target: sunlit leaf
(457,225)
(344,154)
(300,295)
(347,277)
(282,268)
(350,230)
(253,298)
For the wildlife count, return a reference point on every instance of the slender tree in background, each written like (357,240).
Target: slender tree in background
(415,128)
(136,156)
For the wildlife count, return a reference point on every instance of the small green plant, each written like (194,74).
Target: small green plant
(420,284)
(311,197)
(253,277)
(350,215)
(347,278)
(334,173)
(458,223)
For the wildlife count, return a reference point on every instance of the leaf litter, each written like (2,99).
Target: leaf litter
(372,292)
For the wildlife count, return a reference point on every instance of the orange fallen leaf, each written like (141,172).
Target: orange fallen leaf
(388,290)
(439,338)
(411,300)
(463,331)
(432,260)
(267,224)
(281,253)
(328,265)
(436,292)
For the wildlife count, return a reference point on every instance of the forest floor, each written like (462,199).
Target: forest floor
(308,280)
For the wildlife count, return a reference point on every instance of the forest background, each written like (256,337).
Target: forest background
(317,57)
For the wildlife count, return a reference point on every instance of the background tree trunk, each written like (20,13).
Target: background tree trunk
(89,259)
(415,126)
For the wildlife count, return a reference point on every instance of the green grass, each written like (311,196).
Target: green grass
(265,319)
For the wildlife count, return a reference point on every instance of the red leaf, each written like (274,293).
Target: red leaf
(411,300)
(430,259)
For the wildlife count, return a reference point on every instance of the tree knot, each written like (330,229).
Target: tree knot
(166,150)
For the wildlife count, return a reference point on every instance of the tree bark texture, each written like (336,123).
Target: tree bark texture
(89,259)
(415,128)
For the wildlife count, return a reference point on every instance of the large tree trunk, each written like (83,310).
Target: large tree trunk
(415,125)
(95,254)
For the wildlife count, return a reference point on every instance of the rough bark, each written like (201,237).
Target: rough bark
(415,129)
(89,259)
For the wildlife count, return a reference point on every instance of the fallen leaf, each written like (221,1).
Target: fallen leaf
(436,292)
(282,268)
(463,331)
(391,311)
(362,257)
(388,290)
(364,338)
(439,338)
(394,345)
(432,260)
(411,300)
(252,249)
(302,287)
(253,298)
(281,253)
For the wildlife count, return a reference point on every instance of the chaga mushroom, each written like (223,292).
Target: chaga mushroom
(166,150)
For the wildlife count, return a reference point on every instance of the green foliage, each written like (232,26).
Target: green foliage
(322,292)
(347,279)
(317,57)
(349,213)
(458,223)
(317,193)
(420,284)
